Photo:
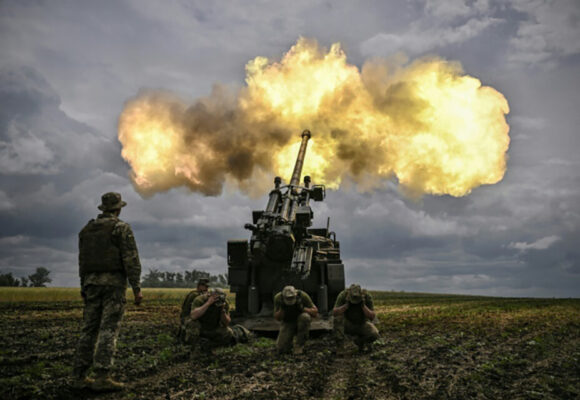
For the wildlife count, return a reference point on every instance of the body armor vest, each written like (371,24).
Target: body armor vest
(97,250)
(211,319)
(292,312)
(355,313)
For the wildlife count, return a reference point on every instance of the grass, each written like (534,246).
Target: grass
(431,346)
(51,295)
(17,294)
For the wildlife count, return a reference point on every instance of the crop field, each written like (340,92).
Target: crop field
(431,347)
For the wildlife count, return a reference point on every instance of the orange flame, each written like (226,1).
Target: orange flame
(436,129)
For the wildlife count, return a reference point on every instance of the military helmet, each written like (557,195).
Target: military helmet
(354,294)
(289,294)
(111,201)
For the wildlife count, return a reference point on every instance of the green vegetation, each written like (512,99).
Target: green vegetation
(431,346)
(16,294)
(38,279)
(50,295)
(156,278)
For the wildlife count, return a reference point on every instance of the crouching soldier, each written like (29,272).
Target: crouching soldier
(295,310)
(212,310)
(189,329)
(353,313)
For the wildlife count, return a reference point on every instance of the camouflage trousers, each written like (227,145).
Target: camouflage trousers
(104,309)
(288,330)
(364,333)
(220,336)
(189,331)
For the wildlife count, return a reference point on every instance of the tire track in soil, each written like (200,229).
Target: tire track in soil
(153,386)
(349,377)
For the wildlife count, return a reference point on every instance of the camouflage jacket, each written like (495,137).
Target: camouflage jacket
(186,306)
(211,319)
(292,312)
(354,312)
(124,240)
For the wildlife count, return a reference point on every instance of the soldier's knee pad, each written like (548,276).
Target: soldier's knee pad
(304,318)
(373,333)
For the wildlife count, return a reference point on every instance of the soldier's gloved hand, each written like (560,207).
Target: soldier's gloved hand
(219,303)
(212,298)
(138,297)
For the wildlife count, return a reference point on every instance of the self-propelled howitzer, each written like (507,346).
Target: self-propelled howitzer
(285,250)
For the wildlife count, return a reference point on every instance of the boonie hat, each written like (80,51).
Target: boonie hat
(289,294)
(203,281)
(354,294)
(111,201)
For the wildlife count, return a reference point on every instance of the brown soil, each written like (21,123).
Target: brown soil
(430,348)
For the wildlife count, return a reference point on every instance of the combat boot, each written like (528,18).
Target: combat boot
(80,378)
(339,348)
(364,348)
(104,383)
(82,383)
(360,344)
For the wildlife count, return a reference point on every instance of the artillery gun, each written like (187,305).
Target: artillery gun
(284,250)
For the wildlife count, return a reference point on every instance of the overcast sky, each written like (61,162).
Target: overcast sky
(67,68)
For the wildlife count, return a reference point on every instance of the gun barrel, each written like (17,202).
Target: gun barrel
(286,211)
(306,135)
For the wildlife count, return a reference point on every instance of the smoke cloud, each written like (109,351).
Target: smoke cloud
(434,128)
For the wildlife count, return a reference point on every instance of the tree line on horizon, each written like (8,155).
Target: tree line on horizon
(153,279)
(188,279)
(38,279)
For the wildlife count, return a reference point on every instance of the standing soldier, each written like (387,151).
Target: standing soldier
(353,312)
(189,329)
(295,310)
(107,259)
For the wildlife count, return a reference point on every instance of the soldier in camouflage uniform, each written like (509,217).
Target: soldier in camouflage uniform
(189,329)
(108,257)
(295,310)
(353,313)
(212,311)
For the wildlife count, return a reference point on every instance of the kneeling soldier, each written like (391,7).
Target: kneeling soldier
(353,312)
(212,310)
(294,309)
(189,329)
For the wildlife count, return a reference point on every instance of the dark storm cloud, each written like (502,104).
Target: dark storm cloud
(38,138)
(24,93)
(541,33)
(78,62)
(45,202)
(47,161)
